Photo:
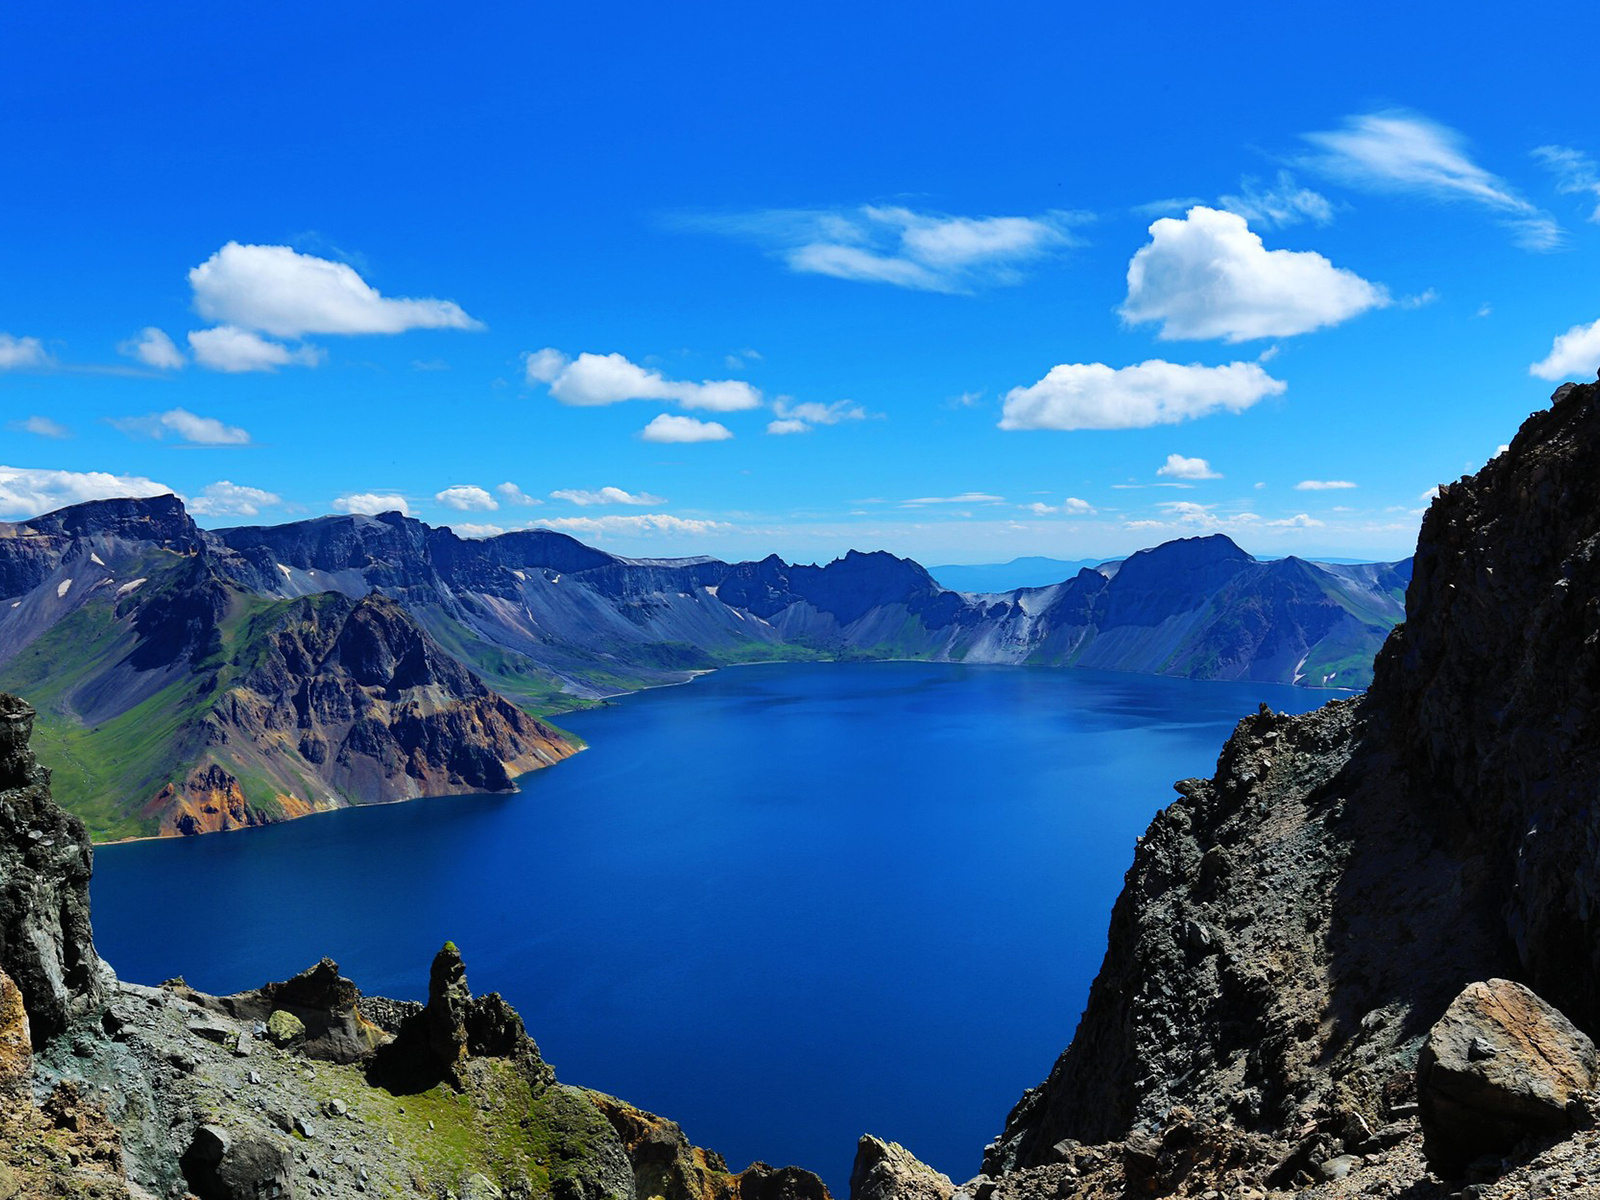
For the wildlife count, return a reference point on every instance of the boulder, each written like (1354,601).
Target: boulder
(888,1171)
(224,1165)
(1499,1067)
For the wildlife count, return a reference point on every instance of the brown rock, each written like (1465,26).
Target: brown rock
(16,1044)
(1500,1065)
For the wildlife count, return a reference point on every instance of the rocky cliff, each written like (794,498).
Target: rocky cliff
(1292,928)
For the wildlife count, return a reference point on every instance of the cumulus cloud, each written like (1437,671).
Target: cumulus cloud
(595,379)
(644,523)
(279,291)
(29,491)
(1179,467)
(1574,170)
(605,495)
(229,348)
(1323,485)
(468,529)
(1209,276)
(512,494)
(192,428)
(40,427)
(931,252)
(17,353)
(1095,396)
(1279,204)
(464,497)
(372,503)
(1575,352)
(1399,151)
(226,499)
(153,348)
(787,425)
(668,428)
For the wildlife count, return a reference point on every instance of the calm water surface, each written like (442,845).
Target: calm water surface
(783,905)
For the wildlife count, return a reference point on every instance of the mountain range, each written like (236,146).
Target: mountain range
(197,680)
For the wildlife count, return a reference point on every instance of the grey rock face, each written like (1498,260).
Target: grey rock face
(888,1171)
(1499,1066)
(46,945)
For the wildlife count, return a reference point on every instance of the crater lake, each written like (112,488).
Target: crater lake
(783,905)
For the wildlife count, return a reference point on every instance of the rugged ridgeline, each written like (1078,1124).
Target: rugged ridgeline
(196,680)
(304,1088)
(1292,928)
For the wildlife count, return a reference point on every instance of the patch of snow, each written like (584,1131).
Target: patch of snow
(16,603)
(1298,673)
(61,588)
(520,575)
(287,574)
(96,559)
(712,590)
(131,585)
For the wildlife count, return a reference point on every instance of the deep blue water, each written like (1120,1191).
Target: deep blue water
(783,905)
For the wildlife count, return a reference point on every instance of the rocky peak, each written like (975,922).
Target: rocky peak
(159,519)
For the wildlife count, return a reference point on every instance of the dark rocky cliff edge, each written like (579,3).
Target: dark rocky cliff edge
(1292,928)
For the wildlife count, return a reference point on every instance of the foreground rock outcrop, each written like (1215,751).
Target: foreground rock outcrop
(1293,927)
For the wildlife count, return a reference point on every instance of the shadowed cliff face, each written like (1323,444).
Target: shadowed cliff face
(1291,927)
(45,942)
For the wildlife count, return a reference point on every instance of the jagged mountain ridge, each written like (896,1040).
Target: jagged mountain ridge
(125,614)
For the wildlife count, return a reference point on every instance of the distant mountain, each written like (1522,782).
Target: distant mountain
(1033,571)
(245,675)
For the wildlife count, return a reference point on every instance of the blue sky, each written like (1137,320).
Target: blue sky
(739,279)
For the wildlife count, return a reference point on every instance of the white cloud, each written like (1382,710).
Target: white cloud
(930,252)
(372,503)
(606,495)
(1430,495)
(1071,506)
(40,427)
(1398,151)
(469,530)
(153,348)
(1323,485)
(544,366)
(19,352)
(282,292)
(512,494)
(229,348)
(963,498)
(594,379)
(641,524)
(1095,396)
(800,418)
(668,428)
(29,491)
(1284,203)
(1575,352)
(225,499)
(1209,276)
(464,497)
(192,428)
(1574,170)
(1179,467)
(1298,521)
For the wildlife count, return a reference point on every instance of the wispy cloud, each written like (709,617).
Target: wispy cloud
(1209,276)
(931,252)
(40,427)
(801,418)
(644,523)
(1070,507)
(1282,203)
(1575,172)
(963,498)
(1095,396)
(585,497)
(1323,485)
(512,494)
(17,353)
(1401,151)
(153,348)
(235,351)
(190,427)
